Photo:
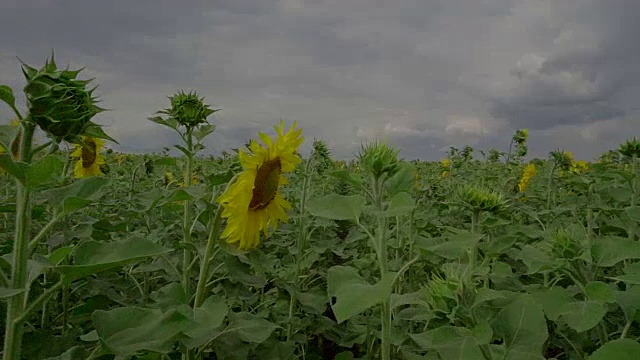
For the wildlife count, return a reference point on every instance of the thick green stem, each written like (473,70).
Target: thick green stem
(473,252)
(205,264)
(300,245)
(19,275)
(385,313)
(186,217)
(550,186)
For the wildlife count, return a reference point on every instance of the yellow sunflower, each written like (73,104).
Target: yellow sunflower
(527,174)
(89,158)
(252,203)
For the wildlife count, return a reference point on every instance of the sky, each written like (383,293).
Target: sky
(422,75)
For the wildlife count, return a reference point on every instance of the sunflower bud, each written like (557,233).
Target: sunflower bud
(630,149)
(379,159)
(188,110)
(59,103)
(480,199)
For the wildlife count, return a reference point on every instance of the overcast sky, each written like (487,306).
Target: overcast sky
(423,74)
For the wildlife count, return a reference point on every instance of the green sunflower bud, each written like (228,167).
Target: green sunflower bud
(480,199)
(188,110)
(379,159)
(630,149)
(59,103)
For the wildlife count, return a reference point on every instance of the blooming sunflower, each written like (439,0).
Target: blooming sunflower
(527,174)
(253,201)
(89,158)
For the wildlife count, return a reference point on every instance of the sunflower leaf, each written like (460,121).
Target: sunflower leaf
(337,207)
(40,171)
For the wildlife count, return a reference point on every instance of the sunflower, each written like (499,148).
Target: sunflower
(527,174)
(89,158)
(253,201)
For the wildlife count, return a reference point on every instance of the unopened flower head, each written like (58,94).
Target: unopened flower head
(58,103)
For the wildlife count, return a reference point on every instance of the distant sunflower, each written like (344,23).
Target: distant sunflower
(253,201)
(89,158)
(527,174)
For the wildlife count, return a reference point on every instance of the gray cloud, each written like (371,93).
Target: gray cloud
(422,74)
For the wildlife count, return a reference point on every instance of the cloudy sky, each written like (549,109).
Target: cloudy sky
(422,74)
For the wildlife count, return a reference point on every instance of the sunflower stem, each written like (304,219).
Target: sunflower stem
(300,245)
(186,219)
(205,263)
(385,313)
(19,277)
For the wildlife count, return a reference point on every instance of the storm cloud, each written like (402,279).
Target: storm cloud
(423,74)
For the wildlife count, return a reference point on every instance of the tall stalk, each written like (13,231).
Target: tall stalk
(186,216)
(300,244)
(381,244)
(19,276)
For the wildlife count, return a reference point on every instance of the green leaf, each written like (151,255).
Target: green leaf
(452,246)
(451,343)
(7,134)
(401,204)
(16,169)
(633,212)
(6,293)
(608,251)
(535,259)
(41,170)
(337,207)
(621,349)
(203,130)
(353,293)
(125,331)
(208,318)
(583,315)
(249,327)
(554,301)
(6,95)
(523,327)
(346,176)
(629,302)
(599,292)
(92,256)
(95,131)
(76,195)
(402,180)
(172,123)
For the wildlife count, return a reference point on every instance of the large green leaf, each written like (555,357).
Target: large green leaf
(400,204)
(125,331)
(76,195)
(451,343)
(353,293)
(41,170)
(621,349)
(337,207)
(452,246)
(583,315)
(208,318)
(523,328)
(611,250)
(249,327)
(16,169)
(6,95)
(91,257)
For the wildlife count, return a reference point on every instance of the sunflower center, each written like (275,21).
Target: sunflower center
(88,153)
(266,183)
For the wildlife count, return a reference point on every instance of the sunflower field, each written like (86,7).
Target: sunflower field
(261,253)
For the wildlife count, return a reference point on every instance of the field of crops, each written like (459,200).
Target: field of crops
(107,255)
